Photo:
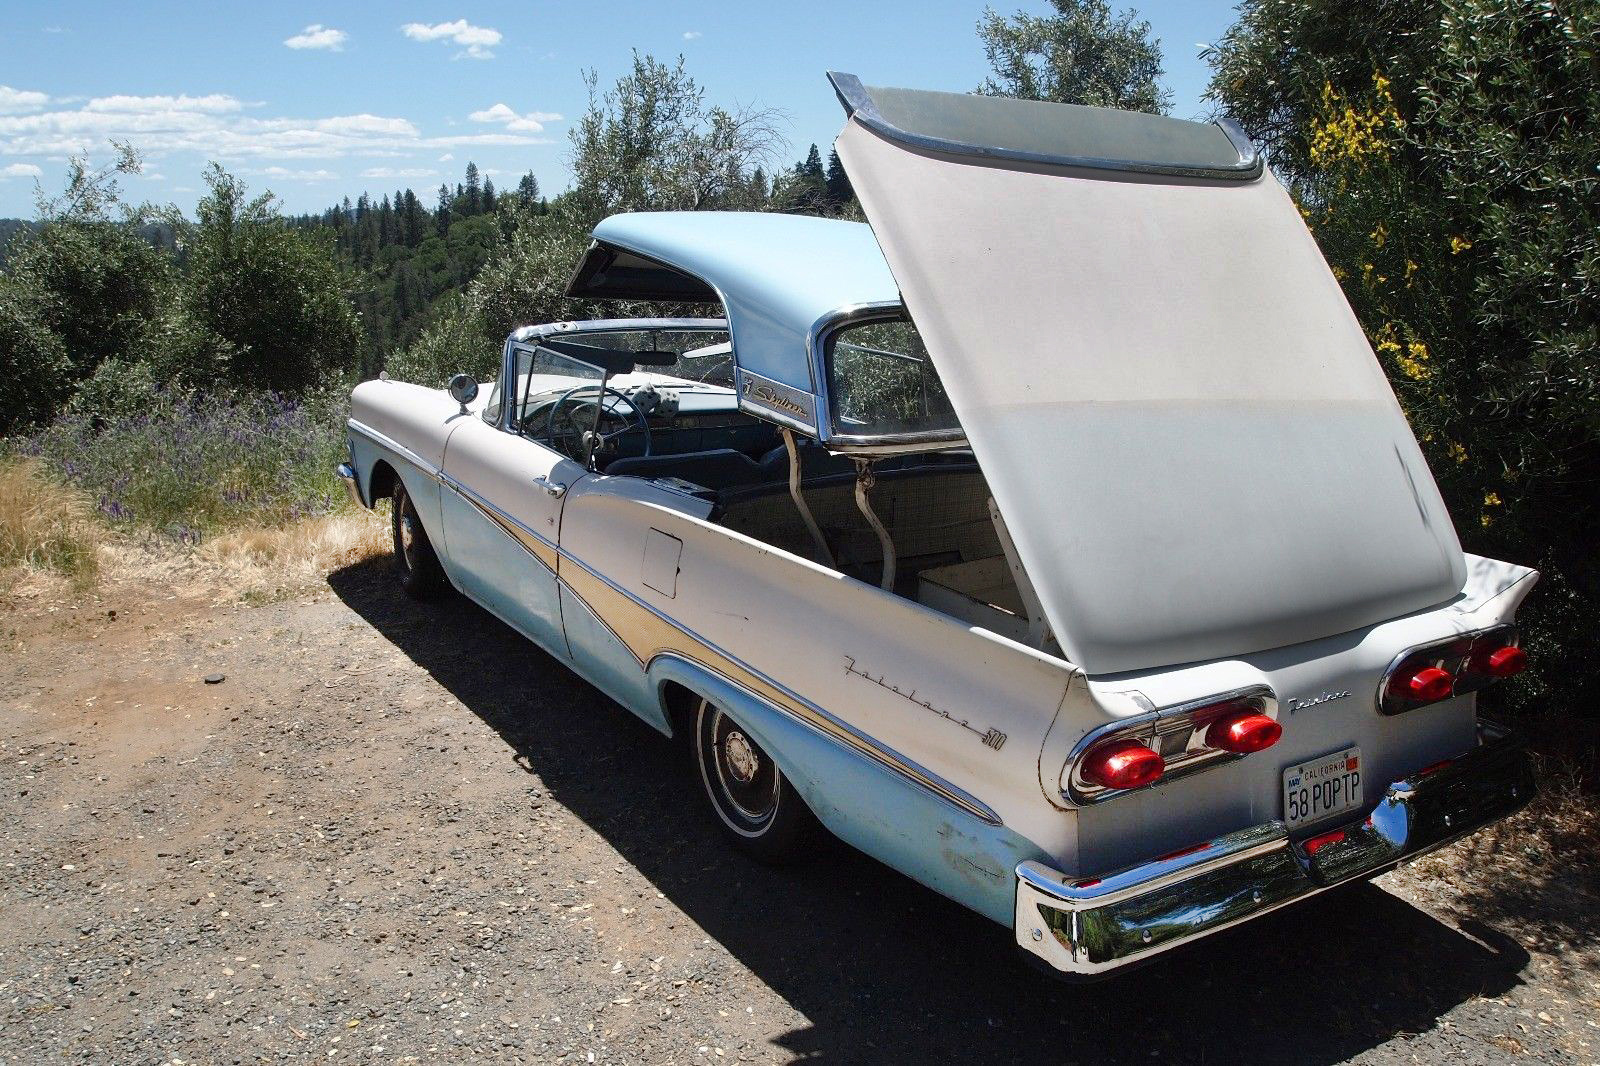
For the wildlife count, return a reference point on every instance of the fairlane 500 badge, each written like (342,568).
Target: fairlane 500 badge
(1299,704)
(992,738)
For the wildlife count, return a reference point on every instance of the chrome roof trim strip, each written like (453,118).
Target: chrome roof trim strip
(858,104)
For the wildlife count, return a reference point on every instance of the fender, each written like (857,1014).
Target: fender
(885,814)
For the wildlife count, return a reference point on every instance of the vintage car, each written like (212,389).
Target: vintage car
(1055,538)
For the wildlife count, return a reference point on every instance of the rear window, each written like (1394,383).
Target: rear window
(881,382)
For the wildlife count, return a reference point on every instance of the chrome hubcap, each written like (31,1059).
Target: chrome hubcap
(742,760)
(408,533)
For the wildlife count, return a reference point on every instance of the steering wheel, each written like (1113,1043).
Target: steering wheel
(590,441)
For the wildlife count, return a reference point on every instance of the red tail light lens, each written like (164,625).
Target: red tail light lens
(1506,661)
(1459,666)
(1317,843)
(1243,732)
(1122,764)
(1428,685)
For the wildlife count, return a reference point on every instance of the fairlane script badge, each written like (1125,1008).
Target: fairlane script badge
(992,738)
(1299,704)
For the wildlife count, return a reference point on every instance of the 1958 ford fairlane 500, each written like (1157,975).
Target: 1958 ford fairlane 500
(1055,538)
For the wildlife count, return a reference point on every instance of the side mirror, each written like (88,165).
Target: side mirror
(463,390)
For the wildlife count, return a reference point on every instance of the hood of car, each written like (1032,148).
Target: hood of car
(1188,435)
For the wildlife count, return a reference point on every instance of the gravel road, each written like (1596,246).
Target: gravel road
(399,833)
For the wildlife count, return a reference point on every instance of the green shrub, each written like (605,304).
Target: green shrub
(1446,154)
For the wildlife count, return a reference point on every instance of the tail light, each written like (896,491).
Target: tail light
(1243,732)
(1453,667)
(1322,840)
(1506,661)
(1166,744)
(1122,764)
(1428,685)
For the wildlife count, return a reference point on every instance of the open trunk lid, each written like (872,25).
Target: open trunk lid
(1192,443)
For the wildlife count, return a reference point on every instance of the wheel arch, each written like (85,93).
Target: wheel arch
(860,801)
(380,481)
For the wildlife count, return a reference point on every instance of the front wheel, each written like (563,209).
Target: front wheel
(415,561)
(756,806)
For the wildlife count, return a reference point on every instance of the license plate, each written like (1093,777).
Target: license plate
(1322,788)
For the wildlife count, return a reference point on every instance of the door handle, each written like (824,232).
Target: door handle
(554,489)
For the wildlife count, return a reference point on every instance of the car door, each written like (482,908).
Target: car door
(502,522)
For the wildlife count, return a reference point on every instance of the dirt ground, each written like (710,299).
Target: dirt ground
(399,833)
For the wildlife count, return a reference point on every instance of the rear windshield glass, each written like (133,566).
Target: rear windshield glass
(881,382)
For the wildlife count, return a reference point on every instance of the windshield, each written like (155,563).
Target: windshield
(542,373)
(881,383)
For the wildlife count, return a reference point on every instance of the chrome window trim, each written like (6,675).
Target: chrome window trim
(1081,793)
(822,332)
(858,104)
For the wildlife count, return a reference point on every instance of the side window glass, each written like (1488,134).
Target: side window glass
(881,381)
(496,405)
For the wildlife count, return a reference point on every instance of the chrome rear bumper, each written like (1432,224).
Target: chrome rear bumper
(1091,926)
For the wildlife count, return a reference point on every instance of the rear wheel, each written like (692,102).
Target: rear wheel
(414,559)
(756,806)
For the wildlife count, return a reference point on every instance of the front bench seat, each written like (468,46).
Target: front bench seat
(716,468)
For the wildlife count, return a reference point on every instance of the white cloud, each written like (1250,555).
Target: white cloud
(447,157)
(399,172)
(318,36)
(532,122)
(20,170)
(691,35)
(475,41)
(222,127)
(286,174)
(214,104)
(15,100)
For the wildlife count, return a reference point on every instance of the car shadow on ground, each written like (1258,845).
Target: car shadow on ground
(884,968)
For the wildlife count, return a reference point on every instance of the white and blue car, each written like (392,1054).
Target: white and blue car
(1054,538)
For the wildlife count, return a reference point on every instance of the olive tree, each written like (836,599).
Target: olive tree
(1082,54)
(263,304)
(649,143)
(78,290)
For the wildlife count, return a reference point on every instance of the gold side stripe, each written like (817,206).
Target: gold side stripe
(648,635)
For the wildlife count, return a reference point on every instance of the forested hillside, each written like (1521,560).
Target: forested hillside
(403,255)
(1443,152)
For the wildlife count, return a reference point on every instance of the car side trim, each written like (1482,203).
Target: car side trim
(809,714)
(541,548)
(400,450)
(655,635)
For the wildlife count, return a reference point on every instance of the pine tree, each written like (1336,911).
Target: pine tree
(840,192)
(412,221)
(488,196)
(528,190)
(812,182)
(474,203)
(441,217)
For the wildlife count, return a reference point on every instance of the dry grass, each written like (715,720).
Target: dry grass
(51,538)
(264,562)
(46,527)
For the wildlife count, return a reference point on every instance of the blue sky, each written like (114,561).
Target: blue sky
(317,101)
